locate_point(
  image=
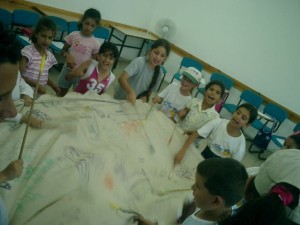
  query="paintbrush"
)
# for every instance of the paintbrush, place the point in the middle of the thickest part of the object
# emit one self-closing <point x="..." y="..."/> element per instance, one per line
<point x="148" y="113"/>
<point x="161" y="193"/>
<point x="129" y="211"/>
<point x="177" y="120"/>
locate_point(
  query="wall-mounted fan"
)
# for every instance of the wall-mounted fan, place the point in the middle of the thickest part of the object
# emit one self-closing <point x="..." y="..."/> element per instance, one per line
<point x="166" y="28"/>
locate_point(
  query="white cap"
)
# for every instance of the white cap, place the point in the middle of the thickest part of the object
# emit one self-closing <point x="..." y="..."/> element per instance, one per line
<point x="193" y="74"/>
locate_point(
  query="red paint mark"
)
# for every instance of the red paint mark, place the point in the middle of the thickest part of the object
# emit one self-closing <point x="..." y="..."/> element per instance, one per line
<point x="108" y="182"/>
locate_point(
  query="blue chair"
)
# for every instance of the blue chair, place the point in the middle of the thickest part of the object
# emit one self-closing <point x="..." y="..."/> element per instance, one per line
<point x="277" y="115"/>
<point x="61" y="28"/>
<point x="228" y="83"/>
<point x="279" y="140"/>
<point x="6" y="17"/>
<point x="101" y="33"/>
<point x="187" y="62"/>
<point x="164" y="70"/>
<point x="22" y="18"/>
<point x="73" y="26"/>
<point x="246" y="96"/>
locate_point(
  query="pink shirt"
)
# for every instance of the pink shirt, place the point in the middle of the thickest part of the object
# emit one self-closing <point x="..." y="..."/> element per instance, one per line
<point x="82" y="48"/>
<point x="89" y="82"/>
<point x="34" y="61"/>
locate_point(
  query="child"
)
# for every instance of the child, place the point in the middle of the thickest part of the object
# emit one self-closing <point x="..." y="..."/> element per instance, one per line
<point x="220" y="183"/>
<point x="10" y="54"/>
<point x="22" y="91"/>
<point x="32" y="56"/>
<point x="273" y="195"/>
<point x="292" y="142"/>
<point x="174" y="97"/>
<point x="140" y="77"/>
<point x="199" y="112"/>
<point x="225" y="138"/>
<point x="96" y="75"/>
<point x="80" y="46"/>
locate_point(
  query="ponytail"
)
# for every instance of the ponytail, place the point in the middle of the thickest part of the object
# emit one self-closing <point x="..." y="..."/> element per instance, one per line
<point x="268" y="209"/>
<point x="147" y="93"/>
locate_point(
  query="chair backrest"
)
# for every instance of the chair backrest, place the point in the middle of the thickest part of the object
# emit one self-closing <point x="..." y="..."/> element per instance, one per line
<point x="101" y="32"/>
<point x="72" y="26"/>
<point x="276" y="113"/>
<point x="25" y="18"/>
<point x="5" y="17"/>
<point x="189" y="62"/>
<point x="251" y="97"/>
<point x="228" y="83"/>
<point x="297" y="127"/>
<point x="61" y="26"/>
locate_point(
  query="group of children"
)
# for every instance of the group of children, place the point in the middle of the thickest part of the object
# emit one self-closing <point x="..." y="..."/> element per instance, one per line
<point x="220" y="181"/>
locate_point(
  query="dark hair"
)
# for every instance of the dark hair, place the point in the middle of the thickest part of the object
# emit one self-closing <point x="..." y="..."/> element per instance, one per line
<point x="43" y="24"/>
<point x="251" y="109"/>
<point x="10" y="49"/>
<point x="167" y="46"/>
<point x="109" y="47"/>
<point x="296" y="138"/>
<point x="264" y="210"/>
<point x="90" y="13"/>
<point x="224" y="177"/>
<point x="216" y="82"/>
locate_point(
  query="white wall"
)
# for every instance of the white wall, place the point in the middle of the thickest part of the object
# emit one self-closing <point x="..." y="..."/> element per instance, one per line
<point x="254" y="41"/>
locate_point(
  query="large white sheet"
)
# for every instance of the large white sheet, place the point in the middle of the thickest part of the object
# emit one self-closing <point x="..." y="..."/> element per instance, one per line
<point x="93" y="155"/>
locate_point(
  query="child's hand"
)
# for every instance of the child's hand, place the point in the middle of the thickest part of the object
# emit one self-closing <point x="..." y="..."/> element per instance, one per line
<point x="131" y="97"/>
<point x="27" y="100"/>
<point x="144" y="98"/>
<point x="56" y="89"/>
<point x="42" y="89"/>
<point x="13" y="170"/>
<point x="70" y="61"/>
<point x="33" y="122"/>
<point x="157" y="99"/>
<point x="182" y="113"/>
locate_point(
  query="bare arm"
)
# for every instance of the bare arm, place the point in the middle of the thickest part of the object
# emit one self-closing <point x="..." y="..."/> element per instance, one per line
<point x="157" y="99"/>
<point x="123" y="81"/>
<point x="179" y="156"/>
<point x="182" y="113"/>
<point x="79" y="71"/>
<point x="22" y="64"/>
<point x="70" y="61"/>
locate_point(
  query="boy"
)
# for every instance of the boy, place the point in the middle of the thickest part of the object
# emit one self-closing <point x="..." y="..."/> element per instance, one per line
<point x="10" y="53"/>
<point x="175" y="96"/>
<point x="220" y="183"/>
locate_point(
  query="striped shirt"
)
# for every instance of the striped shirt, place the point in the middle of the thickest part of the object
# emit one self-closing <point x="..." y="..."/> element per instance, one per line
<point x="34" y="61"/>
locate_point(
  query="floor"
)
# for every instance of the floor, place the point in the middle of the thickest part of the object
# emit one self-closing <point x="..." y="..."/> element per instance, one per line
<point x="250" y="159"/>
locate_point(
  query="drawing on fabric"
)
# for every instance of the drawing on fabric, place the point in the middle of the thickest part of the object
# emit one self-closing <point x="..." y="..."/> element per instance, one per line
<point x="131" y="126"/>
<point x="81" y="159"/>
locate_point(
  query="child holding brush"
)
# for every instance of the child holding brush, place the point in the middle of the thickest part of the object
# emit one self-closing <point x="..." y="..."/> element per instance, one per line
<point x="175" y="96"/>
<point x="198" y="112"/>
<point x="214" y="191"/>
<point x="225" y="138"/>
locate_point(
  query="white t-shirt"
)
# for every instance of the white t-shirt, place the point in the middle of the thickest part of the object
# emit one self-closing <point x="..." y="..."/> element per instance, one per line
<point x="173" y="101"/>
<point x="196" y="117"/>
<point x="194" y="220"/>
<point x="220" y="142"/>
<point x="21" y="88"/>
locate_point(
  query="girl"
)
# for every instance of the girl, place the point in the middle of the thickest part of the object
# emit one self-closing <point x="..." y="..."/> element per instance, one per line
<point x="80" y="46"/>
<point x="292" y="142"/>
<point x="199" y="112"/>
<point x="225" y="138"/>
<point x="140" y="77"/>
<point x="174" y="97"/>
<point x="272" y="196"/>
<point x="32" y="55"/>
<point x="96" y="75"/>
